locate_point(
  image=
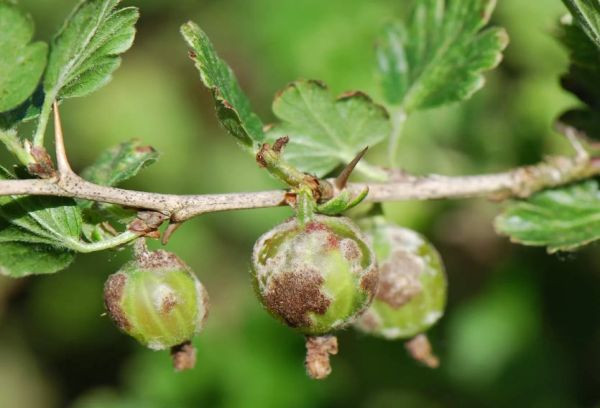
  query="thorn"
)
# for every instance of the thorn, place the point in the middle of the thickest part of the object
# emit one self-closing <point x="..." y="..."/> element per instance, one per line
<point x="171" y="228"/>
<point x="574" y="138"/>
<point x="61" y="155"/>
<point x="106" y="226"/>
<point x="342" y="179"/>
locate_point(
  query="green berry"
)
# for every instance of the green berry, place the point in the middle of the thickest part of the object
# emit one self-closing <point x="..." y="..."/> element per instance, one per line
<point x="316" y="278"/>
<point x="412" y="287"/>
<point x="157" y="299"/>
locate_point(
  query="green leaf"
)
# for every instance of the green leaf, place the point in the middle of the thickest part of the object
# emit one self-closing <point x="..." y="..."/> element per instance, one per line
<point x="21" y="63"/>
<point x="560" y="219"/>
<point x="120" y="163"/>
<point x="587" y="15"/>
<point x="439" y="54"/>
<point x="112" y="167"/>
<point x="86" y="50"/>
<point x="232" y="105"/>
<point x="582" y="79"/>
<point x="28" y="110"/>
<point x="325" y="131"/>
<point x="47" y="227"/>
<point x="21" y="259"/>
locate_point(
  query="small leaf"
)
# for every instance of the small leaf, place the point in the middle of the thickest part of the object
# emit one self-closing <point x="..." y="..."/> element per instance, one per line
<point x="233" y="107"/>
<point x="86" y="51"/>
<point x="582" y="79"/>
<point x="35" y="219"/>
<point x="35" y="233"/>
<point x="587" y="15"/>
<point x="21" y="63"/>
<point x="325" y="131"/>
<point x="439" y="55"/>
<point x="120" y="163"/>
<point x="112" y="167"/>
<point x="21" y="259"/>
<point x="560" y="219"/>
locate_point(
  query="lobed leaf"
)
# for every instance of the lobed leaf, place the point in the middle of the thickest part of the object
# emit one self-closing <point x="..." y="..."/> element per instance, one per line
<point x="21" y="62"/>
<point x="325" y="131"/>
<point x="587" y="15"/>
<point x="439" y="55"/>
<point x="86" y="50"/>
<point x="582" y="79"/>
<point x="561" y="219"/>
<point x="232" y="105"/>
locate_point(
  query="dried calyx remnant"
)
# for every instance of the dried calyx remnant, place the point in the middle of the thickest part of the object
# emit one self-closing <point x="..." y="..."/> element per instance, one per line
<point x="412" y="292"/>
<point x="318" y="349"/>
<point x="316" y="278"/>
<point x="158" y="300"/>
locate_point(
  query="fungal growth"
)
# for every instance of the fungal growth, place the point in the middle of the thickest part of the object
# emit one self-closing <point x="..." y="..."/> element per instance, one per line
<point x="315" y="278"/>
<point x="158" y="300"/>
<point x="412" y="292"/>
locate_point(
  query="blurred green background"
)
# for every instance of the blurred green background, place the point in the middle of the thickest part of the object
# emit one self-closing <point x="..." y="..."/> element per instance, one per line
<point x="521" y="328"/>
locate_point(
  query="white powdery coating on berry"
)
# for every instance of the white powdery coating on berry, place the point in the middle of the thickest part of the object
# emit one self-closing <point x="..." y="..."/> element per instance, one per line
<point x="300" y="248"/>
<point x="433" y="317"/>
<point x="405" y="238"/>
<point x="202" y="304"/>
<point x="156" y="345"/>
<point x="391" y="333"/>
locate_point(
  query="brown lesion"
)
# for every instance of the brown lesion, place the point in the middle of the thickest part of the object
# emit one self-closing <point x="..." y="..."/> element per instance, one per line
<point x="168" y="303"/>
<point x="400" y="279"/>
<point x="113" y="292"/>
<point x="350" y="249"/>
<point x="160" y="259"/>
<point x="293" y="295"/>
<point x="370" y="281"/>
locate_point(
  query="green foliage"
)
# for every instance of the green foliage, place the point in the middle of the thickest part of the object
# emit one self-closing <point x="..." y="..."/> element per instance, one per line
<point x="120" y="163"/>
<point x="232" y="105"/>
<point x="563" y="219"/>
<point x="28" y="110"/>
<point x="21" y="259"/>
<point x="22" y="62"/>
<point x="85" y="52"/>
<point x="439" y="54"/>
<point x="326" y="131"/>
<point x="36" y="232"/>
<point x="112" y="167"/>
<point x="587" y="16"/>
<point x="582" y="79"/>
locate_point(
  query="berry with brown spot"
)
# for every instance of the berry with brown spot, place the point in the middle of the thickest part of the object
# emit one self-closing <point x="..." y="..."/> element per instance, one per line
<point x="157" y="299"/>
<point x="315" y="278"/>
<point x="412" y="287"/>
